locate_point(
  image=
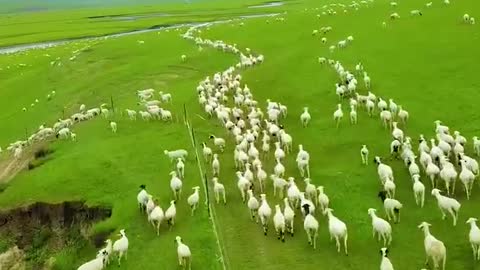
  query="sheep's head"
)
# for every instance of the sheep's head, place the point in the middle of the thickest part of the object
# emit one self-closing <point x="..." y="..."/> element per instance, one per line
<point x="143" y="186"/>
<point x="377" y="160"/>
<point x="424" y="225"/>
<point x="435" y="192"/>
<point x="327" y="211"/>
<point x="371" y="211"/>
<point x="122" y="232"/>
<point x="384" y="252"/>
<point x="306" y="207"/>
<point x="471" y="221"/>
<point x="166" y="152"/>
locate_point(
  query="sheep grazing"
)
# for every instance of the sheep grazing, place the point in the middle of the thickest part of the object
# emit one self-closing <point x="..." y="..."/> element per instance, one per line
<point x="142" y="198"/>
<point x="174" y="155"/>
<point x="418" y="190"/>
<point x="121" y="246"/>
<point x="385" y="264"/>
<point x="337" y="229"/>
<point x="338" y="115"/>
<point x="305" y="117"/>
<point x="156" y="217"/>
<point x="364" y="154"/>
<point x="184" y="254"/>
<point x="474" y="237"/>
<point x="264" y="212"/>
<point x="392" y="207"/>
<point x="380" y="227"/>
<point x="96" y="264"/>
<point x="450" y="205"/>
<point x="279" y="223"/>
<point x="434" y="248"/>
<point x="310" y="224"/>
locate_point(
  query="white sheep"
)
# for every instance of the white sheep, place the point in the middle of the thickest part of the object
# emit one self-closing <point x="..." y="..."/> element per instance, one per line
<point x="278" y="184"/>
<point x="310" y="190"/>
<point x="264" y="212"/>
<point x="467" y="177"/>
<point x="218" y="142"/>
<point x="389" y="187"/>
<point x="253" y="205"/>
<point x="106" y="252"/>
<point x="466" y="18"/>
<point x="434" y="248"/>
<point x="384" y="171"/>
<point x="418" y="190"/>
<point x="450" y="205"/>
<point x="175" y="154"/>
<point x="474" y="237"/>
<point x="323" y="200"/>
<point x="171" y="213"/>
<point x="476" y="145"/>
<point x="310" y="224"/>
<point x="353" y="114"/>
<point x="194" y="199"/>
<point x="416" y="12"/>
<point x="337" y="229"/>
<point x="279" y="223"/>
<point x="243" y="184"/>
<point x="338" y="115"/>
<point x="121" y="246"/>
<point x="183" y="57"/>
<point x="364" y="154"/>
<point x="96" y="264"/>
<point x="176" y="185"/>
<point x="289" y="215"/>
<point x="305" y="117"/>
<point x="385" y="264"/>
<point x="184" y="254"/>
<point x="166" y="115"/>
<point x="113" y="126"/>
<point x="261" y="177"/>
<point x="207" y="152"/>
<point x="142" y="198"/>
<point x="215" y="165"/>
<point x="380" y="227"/>
<point x="392" y="207"/>
<point x="181" y="168"/>
<point x="156" y="217"/>
<point x="166" y="97"/>
<point x="218" y="189"/>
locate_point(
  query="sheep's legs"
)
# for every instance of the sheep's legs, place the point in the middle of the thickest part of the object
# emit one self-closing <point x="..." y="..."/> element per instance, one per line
<point x="338" y="244"/>
<point x="454" y="216"/>
<point x="475" y="252"/>
<point x="224" y="198"/>
<point x="345" y="239"/>
<point x="315" y="240"/>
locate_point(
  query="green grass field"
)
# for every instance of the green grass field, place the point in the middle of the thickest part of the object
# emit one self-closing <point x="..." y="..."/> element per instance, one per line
<point x="427" y="64"/>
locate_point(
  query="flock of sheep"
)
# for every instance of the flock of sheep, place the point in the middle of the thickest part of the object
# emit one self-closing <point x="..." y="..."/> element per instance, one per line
<point x="255" y="129"/>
